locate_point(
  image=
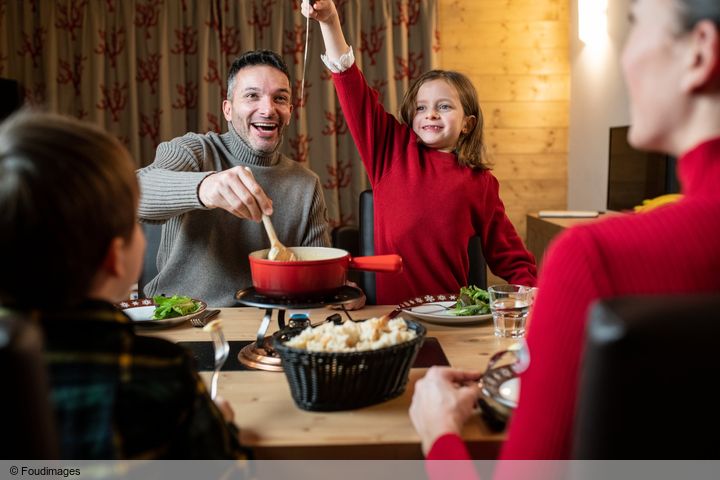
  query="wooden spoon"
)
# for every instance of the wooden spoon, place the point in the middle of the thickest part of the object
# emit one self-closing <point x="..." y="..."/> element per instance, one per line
<point x="278" y="251"/>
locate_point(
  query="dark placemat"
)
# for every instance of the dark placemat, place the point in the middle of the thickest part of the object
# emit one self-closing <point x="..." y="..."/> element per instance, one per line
<point x="431" y="353"/>
<point x="205" y="356"/>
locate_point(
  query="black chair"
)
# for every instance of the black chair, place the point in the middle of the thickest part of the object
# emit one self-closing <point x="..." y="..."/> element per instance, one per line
<point x="153" y="232"/>
<point x="477" y="274"/>
<point x="647" y="384"/>
<point x="367" y="243"/>
<point x="347" y="237"/>
<point x="26" y="414"/>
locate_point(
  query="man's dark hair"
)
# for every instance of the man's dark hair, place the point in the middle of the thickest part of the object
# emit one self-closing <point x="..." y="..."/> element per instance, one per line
<point x="252" y="58"/>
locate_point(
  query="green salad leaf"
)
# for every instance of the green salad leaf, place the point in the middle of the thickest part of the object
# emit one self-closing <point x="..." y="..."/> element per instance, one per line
<point x="175" y="306"/>
<point x="471" y="301"/>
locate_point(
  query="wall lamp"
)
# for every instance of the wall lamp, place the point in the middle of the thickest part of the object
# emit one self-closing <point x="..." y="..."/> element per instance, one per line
<point x="592" y="21"/>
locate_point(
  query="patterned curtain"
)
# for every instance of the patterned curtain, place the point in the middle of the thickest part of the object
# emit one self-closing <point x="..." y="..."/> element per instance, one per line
<point x="151" y="70"/>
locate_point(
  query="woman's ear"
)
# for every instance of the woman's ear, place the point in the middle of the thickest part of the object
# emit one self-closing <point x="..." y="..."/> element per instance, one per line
<point x="703" y="69"/>
<point x="468" y="124"/>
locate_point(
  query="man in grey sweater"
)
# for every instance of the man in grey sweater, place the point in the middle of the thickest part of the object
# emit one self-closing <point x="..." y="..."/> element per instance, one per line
<point x="210" y="190"/>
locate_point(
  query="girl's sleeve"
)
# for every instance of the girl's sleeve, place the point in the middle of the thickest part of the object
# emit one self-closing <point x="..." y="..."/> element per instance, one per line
<point x="377" y="134"/>
<point x="170" y="184"/>
<point x="503" y="248"/>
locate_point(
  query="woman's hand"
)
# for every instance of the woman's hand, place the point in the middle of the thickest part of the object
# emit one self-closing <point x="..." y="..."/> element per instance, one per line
<point x="443" y="401"/>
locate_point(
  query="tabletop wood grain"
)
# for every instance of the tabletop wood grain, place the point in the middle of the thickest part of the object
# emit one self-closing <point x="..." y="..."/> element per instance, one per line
<point x="274" y="427"/>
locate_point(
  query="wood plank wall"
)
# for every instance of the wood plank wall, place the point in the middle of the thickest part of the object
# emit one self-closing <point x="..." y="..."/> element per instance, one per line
<point x="517" y="54"/>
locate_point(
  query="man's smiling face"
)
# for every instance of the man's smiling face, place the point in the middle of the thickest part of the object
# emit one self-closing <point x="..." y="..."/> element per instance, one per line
<point x="260" y="106"/>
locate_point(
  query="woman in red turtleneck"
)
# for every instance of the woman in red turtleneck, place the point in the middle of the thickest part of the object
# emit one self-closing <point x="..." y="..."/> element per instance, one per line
<point x="672" y="67"/>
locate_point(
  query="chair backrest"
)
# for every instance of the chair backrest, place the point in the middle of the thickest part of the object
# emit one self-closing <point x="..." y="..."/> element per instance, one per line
<point x="347" y="237"/>
<point x="26" y="413"/>
<point x="149" y="271"/>
<point x="646" y="384"/>
<point x="367" y="243"/>
<point x="477" y="274"/>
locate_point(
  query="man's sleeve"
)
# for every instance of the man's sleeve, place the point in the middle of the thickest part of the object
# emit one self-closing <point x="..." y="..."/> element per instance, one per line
<point x="318" y="234"/>
<point x="169" y="186"/>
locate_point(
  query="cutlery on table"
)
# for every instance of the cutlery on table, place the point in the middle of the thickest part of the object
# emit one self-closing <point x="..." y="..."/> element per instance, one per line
<point x="222" y="350"/>
<point x="203" y="317"/>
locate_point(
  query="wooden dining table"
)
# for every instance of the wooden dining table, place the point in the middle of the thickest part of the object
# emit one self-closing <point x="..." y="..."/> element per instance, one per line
<point x="275" y="428"/>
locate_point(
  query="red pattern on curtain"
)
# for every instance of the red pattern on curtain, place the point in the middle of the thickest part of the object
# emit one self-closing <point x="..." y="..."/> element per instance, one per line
<point x="151" y="70"/>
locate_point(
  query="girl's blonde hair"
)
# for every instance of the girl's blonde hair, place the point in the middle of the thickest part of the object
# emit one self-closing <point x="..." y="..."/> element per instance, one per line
<point x="470" y="148"/>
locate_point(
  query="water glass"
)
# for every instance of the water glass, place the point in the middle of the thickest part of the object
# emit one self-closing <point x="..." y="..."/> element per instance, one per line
<point x="509" y="305"/>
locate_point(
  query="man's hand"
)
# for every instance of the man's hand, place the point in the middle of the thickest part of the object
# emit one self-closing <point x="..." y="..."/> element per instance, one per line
<point x="236" y="191"/>
<point x="443" y="401"/>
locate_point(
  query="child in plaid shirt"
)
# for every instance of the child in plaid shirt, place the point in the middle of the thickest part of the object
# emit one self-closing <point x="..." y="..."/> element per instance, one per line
<point x="71" y="246"/>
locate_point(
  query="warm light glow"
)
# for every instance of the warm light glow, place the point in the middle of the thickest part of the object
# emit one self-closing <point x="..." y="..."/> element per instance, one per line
<point x="592" y="21"/>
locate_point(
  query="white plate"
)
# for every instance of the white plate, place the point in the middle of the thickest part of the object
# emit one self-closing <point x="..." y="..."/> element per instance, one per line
<point x="141" y="312"/>
<point x="433" y="309"/>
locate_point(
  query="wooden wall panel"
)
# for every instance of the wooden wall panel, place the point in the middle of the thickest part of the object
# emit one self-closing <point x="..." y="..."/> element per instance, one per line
<point x="525" y="114"/>
<point x="526" y="61"/>
<point x="520" y="88"/>
<point x="512" y="34"/>
<point x="517" y="54"/>
<point x="472" y="11"/>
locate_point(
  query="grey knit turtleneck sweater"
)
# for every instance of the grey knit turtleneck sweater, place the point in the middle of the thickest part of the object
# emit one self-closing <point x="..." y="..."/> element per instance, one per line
<point x="204" y="252"/>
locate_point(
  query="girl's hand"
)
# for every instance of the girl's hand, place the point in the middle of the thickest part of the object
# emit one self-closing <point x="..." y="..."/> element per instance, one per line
<point x="321" y="10"/>
<point x="443" y="401"/>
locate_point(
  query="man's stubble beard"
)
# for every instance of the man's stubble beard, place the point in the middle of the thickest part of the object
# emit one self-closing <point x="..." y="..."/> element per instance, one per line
<point x="246" y="141"/>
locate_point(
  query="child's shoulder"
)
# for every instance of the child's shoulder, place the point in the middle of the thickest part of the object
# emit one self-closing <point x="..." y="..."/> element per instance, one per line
<point x="478" y="174"/>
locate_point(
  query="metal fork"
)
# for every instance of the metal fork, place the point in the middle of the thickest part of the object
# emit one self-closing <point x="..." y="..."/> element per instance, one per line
<point x="201" y="319"/>
<point x="522" y="357"/>
<point x="222" y="350"/>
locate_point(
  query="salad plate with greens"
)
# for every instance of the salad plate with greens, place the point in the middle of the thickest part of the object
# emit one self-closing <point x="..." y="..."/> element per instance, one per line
<point x="162" y="311"/>
<point x="470" y="305"/>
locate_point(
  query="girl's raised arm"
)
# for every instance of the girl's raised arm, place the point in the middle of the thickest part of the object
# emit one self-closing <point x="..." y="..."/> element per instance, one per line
<point x="325" y="13"/>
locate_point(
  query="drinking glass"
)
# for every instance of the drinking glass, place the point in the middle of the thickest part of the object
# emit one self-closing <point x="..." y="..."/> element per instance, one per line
<point x="509" y="305"/>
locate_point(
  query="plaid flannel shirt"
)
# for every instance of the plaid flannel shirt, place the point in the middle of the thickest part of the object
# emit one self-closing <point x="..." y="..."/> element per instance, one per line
<point x="119" y="395"/>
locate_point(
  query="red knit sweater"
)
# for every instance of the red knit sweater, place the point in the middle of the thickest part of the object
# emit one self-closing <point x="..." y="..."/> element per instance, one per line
<point x="674" y="249"/>
<point x="427" y="206"/>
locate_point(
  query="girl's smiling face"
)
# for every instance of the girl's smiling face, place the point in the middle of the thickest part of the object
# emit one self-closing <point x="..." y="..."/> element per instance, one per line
<point x="439" y="118"/>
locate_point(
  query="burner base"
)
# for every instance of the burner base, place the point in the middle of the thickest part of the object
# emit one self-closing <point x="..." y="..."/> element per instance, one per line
<point x="260" y="358"/>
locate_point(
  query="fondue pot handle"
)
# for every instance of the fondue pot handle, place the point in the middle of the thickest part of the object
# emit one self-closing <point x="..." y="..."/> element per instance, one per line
<point x="377" y="263"/>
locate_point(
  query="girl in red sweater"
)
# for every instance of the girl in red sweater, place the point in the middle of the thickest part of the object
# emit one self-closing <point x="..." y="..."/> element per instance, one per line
<point x="671" y="64"/>
<point x="431" y="186"/>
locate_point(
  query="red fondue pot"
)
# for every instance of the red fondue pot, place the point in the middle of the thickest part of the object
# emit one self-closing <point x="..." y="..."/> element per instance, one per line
<point x="319" y="270"/>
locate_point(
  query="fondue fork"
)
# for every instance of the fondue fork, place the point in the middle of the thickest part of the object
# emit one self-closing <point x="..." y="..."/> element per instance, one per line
<point x="222" y="350"/>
